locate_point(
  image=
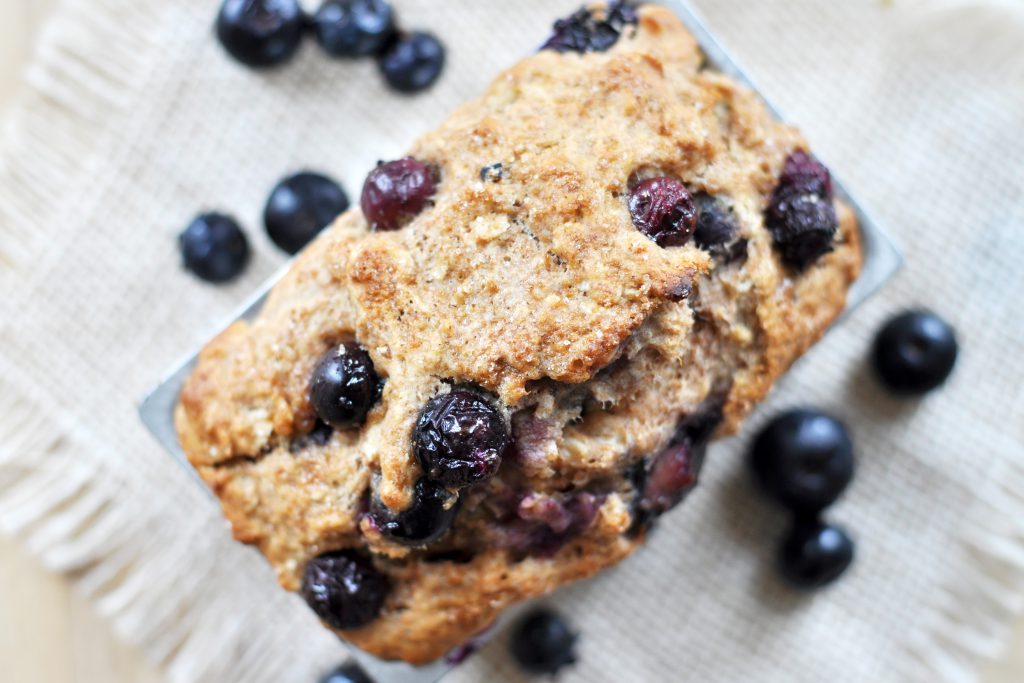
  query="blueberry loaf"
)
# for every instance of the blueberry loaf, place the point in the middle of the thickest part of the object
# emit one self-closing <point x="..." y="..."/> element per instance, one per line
<point x="494" y="377"/>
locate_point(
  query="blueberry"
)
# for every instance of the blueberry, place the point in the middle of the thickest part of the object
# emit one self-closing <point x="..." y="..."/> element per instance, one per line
<point x="347" y="673"/>
<point x="345" y="590"/>
<point x="426" y="520"/>
<point x="802" y="171"/>
<point x="664" y="481"/>
<point x="460" y="438"/>
<point x="584" y="31"/>
<point x="413" y="62"/>
<point x="716" y="224"/>
<point x="814" y="553"/>
<point x="299" y="207"/>
<point x="395" y="192"/>
<point x="672" y="474"/>
<point x="260" y="33"/>
<point x="915" y="352"/>
<point x="803" y="459"/>
<point x="542" y="643"/>
<point x="663" y="209"/>
<point x="544" y="523"/>
<point x="800" y="213"/>
<point x="717" y="228"/>
<point x="214" y="247"/>
<point x="354" y="28"/>
<point x="344" y="386"/>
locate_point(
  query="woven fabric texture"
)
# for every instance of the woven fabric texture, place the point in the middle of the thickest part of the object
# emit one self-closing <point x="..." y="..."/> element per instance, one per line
<point x="135" y="120"/>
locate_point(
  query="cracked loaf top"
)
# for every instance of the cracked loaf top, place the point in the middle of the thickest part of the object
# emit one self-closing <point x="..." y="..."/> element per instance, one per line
<point x="493" y="378"/>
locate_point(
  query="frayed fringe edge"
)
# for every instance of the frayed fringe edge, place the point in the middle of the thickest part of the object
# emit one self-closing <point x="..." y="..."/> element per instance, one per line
<point x="972" y="618"/>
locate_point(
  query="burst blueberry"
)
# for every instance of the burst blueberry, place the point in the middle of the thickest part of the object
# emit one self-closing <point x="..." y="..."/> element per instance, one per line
<point x="543" y="643"/>
<point x="344" y="589"/>
<point x="672" y="474"/>
<point x="663" y="209"/>
<point x="354" y="28"/>
<point x="800" y="214"/>
<point x="460" y="438"/>
<point x="427" y="519"/>
<point x="214" y="247"/>
<point x="543" y="523"/>
<point x="592" y="31"/>
<point x="814" y="554"/>
<point x="803" y="459"/>
<point x="344" y="386"/>
<point x="664" y="481"/>
<point x="915" y="352"/>
<point x="395" y="192"/>
<point x="413" y="62"/>
<point x="260" y="33"/>
<point x="300" y="206"/>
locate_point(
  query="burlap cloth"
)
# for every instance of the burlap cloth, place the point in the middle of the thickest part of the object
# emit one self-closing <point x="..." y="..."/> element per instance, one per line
<point x="135" y="120"/>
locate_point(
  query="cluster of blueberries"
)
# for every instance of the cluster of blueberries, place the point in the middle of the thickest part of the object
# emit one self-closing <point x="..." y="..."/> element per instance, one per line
<point x="215" y="248"/>
<point x="804" y="459"/>
<point x="265" y="33"/>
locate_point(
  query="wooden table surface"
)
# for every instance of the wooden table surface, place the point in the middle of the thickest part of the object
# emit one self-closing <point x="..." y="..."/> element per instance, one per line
<point x="48" y="634"/>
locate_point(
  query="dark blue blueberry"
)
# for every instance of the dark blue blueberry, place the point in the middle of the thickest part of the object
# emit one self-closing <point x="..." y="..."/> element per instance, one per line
<point x="413" y="62"/>
<point x="300" y="207"/>
<point x="803" y="459"/>
<point x="347" y="673"/>
<point x="426" y="520"/>
<point x="800" y="214"/>
<point x="915" y="352"/>
<point x="814" y="554"/>
<point x="584" y="31"/>
<point x="214" y="247"/>
<point x="716" y="224"/>
<point x="542" y="643"/>
<point x="344" y="589"/>
<point x="460" y="438"/>
<point x="344" y="386"/>
<point x="663" y="209"/>
<point x="260" y="33"/>
<point x="395" y="192"/>
<point x="354" y="28"/>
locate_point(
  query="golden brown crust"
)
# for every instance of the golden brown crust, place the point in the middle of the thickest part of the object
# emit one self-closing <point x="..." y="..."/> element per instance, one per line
<point x="538" y="288"/>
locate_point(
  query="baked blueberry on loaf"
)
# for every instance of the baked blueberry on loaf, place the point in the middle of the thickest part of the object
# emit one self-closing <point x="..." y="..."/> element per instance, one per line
<point x="495" y="376"/>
